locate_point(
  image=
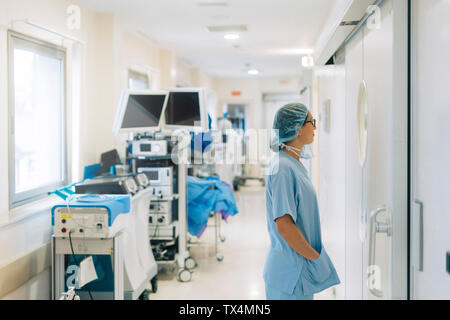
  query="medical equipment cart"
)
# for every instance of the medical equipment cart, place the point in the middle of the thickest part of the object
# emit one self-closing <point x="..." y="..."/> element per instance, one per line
<point x="97" y="227"/>
<point x="168" y="183"/>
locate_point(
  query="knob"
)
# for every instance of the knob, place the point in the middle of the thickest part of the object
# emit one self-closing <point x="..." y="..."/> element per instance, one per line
<point x="63" y="230"/>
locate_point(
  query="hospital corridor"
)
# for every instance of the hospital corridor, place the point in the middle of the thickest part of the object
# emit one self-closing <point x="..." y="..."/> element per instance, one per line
<point x="190" y="153"/>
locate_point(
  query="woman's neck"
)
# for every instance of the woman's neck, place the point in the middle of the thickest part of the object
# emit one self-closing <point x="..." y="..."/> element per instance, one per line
<point x="292" y="154"/>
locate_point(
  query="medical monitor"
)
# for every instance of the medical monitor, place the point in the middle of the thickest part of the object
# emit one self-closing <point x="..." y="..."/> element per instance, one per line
<point x="140" y="111"/>
<point x="186" y="109"/>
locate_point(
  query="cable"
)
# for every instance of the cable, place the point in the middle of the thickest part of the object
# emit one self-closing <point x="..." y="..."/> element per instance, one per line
<point x="75" y="259"/>
<point x="156" y="230"/>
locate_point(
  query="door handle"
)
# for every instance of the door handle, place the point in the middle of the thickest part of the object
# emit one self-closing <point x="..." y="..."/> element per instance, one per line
<point x="376" y="227"/>
<point x="420" y="263"/>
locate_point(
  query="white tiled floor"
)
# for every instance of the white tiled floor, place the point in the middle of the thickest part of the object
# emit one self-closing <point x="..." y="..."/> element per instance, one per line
<point x="239" y="275"/>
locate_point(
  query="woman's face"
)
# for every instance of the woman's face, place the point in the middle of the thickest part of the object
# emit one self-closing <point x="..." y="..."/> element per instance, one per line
<point x="307" y="131"/>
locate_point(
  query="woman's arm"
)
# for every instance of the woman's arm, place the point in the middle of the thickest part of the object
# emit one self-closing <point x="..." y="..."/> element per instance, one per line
<point x="294" y="237"/>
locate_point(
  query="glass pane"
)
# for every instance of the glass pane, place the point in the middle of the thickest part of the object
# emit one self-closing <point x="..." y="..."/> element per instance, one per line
<point x="37" y="109"/>
<point x="136" y="84"/>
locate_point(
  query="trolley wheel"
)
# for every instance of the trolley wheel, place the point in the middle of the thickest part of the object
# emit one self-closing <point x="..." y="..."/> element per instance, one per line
<point x="154" y="283"/>
<point x="184" y="275"/>
<point x="219" y="257"/>
<point x="144" y="295"/>
<point x="222" y="238"/>
<point x="190" y="263"/>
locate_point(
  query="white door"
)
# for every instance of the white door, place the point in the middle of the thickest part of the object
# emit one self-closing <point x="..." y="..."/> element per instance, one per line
<point x="353" y="172"/>
<point x="330" y="86"/>
<point x="377" y="171"/>
<point x="430" y="214"/>
<point x="376" y="186"/>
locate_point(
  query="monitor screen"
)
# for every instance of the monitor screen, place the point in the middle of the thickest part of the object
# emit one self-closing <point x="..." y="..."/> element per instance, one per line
<point x="183" y="109"/>
<point x="152" y="175"/>
<point x="143" y="111"/>
<point x="146" y="147"/>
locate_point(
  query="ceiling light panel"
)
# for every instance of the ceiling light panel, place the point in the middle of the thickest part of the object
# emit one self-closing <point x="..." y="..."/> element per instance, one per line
<point x="235" y="28"/>
<point x="212" y="4"/>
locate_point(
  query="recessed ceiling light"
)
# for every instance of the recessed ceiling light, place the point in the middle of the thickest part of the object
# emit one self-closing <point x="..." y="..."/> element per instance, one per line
<point x="212" y="4"/>
<point x="230" y="28"/>
<point x="231" y="36"/>
<point x="307" y="62"/>
<point x="253" y="72"/>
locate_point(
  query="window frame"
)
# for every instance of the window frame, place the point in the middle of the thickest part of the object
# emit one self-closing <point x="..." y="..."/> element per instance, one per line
<point x="18" y="40"/>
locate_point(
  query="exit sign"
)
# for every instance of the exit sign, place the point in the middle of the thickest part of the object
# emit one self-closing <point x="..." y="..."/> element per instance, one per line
<point x="236" y="93"/>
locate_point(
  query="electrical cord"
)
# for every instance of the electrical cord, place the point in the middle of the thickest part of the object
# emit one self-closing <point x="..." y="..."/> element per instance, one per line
<point x="75" y="259"/>
<point x="156" y="231"/>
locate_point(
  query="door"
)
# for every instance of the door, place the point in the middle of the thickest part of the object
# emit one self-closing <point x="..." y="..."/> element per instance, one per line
<point x="330" y="86"/>
<point x="376" y="159"/>
<point x="430" y="216"/>
<point x="377" y="198"/>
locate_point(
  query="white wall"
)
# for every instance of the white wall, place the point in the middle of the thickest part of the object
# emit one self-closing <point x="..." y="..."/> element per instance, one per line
<point x="252" y="90"/>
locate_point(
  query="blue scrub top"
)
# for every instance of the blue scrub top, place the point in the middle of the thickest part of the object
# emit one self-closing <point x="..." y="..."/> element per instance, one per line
<point x="289" y="190"/>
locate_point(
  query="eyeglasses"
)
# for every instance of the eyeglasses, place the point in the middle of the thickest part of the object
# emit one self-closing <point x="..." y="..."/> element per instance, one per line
<point x="313" y="122"/>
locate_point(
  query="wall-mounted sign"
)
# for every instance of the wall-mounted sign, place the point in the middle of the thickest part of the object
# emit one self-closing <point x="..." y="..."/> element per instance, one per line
<point x="236" y="93"/>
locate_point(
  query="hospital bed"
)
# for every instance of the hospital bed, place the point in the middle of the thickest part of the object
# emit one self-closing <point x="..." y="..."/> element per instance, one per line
<point x="209" y="197"/>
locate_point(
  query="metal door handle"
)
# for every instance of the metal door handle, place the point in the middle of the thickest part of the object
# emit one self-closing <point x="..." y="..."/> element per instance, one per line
<point x="420" y="266"/>
<point x="377" y="227"/>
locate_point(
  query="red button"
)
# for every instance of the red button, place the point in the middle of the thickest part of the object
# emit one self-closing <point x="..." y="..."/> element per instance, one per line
<point x="63" y="230"/>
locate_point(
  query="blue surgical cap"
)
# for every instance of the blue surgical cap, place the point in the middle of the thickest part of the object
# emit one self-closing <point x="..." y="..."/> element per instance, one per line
<point x="287" y="123"/>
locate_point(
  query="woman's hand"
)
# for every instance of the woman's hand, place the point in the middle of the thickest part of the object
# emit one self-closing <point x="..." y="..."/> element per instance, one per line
<point x="317" y="257"/>
<point x="294" y="237"/>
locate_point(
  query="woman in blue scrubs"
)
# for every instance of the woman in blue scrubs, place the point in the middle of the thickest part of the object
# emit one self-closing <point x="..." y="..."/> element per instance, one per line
<point x="297" y="265"/>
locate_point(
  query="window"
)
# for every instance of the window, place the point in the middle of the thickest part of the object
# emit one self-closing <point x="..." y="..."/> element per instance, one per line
<point x="137" y="81"/>
<point x="37" y="148"/>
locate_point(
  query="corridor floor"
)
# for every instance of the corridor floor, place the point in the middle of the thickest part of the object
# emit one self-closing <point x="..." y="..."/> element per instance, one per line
<point x="239" y="275"/>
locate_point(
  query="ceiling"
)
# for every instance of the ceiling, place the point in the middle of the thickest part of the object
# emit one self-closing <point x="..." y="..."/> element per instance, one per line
<point x="279" y="31"/>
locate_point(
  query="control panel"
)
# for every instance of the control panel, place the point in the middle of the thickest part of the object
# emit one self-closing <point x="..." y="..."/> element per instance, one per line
<point x="160" y="218"/>
<point x="160" y="206"/>
<point x="149" y="148"/>
<point x="158" y="176"/>
<point x="81" y="222"/>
